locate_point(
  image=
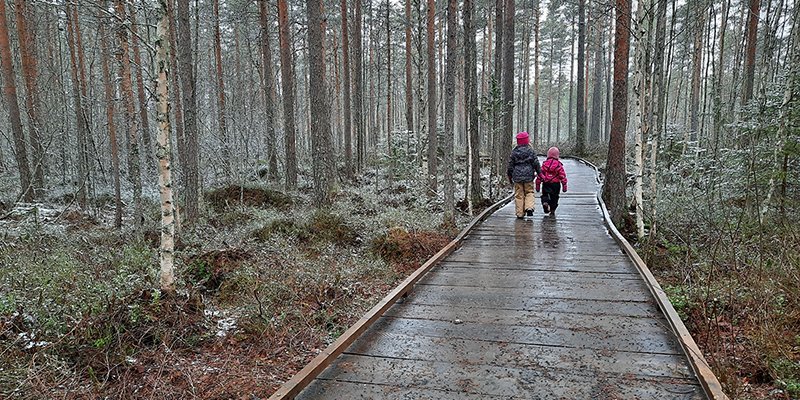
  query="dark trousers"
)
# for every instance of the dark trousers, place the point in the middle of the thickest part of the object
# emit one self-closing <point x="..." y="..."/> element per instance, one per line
<point x="550" y="192"/>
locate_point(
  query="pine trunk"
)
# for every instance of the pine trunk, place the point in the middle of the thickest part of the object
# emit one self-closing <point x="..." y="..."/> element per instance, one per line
<point x="287" y="85"/>
<point x="697" y="60"/>
<point x="750" y="51"/>
<point x="105" y="55"/>
<point x="358" y="86"/>
<point x="474" y="192"/>
<point x="129" y="112"/>
<point x="580" y="114"/>
<point x="191" y="169"/>
<point x="10" y="92"/>
<point x="508" y="77"/>
<point x="30" y="74"/>
<point x="221" y="100"/>
<point x="614" y="186"/>
<point x="147" y="144"/>
<point x="432" y="121"/>
<point x="82" y="131"/>
<point x="409" y="82"/>
<point x="269" y="92"/>
<point x="449" y="105"/>
<point x="320" y="108"/>
<point x="536" y="74"/>
<point x="348" y="125"/>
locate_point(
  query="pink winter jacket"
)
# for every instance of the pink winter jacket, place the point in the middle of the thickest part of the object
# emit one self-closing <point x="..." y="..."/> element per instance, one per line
<point x="552" y="172"/>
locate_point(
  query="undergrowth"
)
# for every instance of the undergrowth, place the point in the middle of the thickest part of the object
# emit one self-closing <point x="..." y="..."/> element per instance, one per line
<point x="265" y="282"/>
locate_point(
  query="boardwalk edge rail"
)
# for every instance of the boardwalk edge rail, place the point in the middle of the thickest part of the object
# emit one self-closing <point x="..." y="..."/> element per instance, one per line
<point x="705" y="375"/>
<point x="299" y="381"/>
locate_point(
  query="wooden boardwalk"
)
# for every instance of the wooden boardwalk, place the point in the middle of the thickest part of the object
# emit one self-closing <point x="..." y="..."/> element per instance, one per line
<point x="545" y="309"/>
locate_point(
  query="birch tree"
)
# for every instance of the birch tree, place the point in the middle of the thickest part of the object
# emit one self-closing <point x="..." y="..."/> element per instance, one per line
<point x="163" y="152"/>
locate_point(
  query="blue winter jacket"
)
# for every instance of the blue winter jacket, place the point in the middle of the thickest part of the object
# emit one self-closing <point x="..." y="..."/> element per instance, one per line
<point x="523" y="166"/>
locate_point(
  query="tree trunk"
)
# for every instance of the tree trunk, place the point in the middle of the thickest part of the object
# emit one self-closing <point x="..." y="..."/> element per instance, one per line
<point x="658" y="94"/>
<point x="221" y="104"/>
<point x="474" y="192"/>
<point x="30" y="73"/>
<point x="137" y="61"/>
<point x="287" y="85"/>
<point x="697" y="59"/>
<point x="508" y="76"/>
<point x="105" y="55"/>
<point x="641" y="91"/>
<point x="320" y="108"/>
<point x="750" y="62"/>
<point x="614" y="186"/>
<point x="167" y="271"/>
<point x="409" y="82"/>
<point x="449" y="104"/>
<point x="10" y="92"/>
<point x="580" y="114"/>
<point x="537" y="76"/>
<point x="358" y="86"/>
<point x="175" y="94"/>
<point x="269" y="92"/>
<point x="432" y="122"/>
<point x="82" y="124"/>
<point x="498" y="158"/>
<point x="348" y="127"/>
<point x="597" y="85"/>
<point x="191" y="170"/>
<point x="389" y="86"/>
<point x="126" y="91"/>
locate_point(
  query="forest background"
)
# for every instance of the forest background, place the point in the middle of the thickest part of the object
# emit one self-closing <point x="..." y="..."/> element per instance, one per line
<point x="197" y="196"/>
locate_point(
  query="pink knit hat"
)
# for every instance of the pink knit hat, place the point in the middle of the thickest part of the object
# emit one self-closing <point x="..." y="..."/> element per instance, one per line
<point x="552" y="153"/>
<point x="523" y="139"/>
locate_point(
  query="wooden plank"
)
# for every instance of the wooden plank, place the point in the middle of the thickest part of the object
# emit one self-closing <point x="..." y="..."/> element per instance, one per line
<point x="544" y="273"/>
<point x="380" y="343"/>
<point x="554" y="291"/>
<point x="300" y="380"/>
<point x="510" y="382"/>
<point x="653" y="340"/>
<point x="338" y="389"/>
<point x="516" y="299"/>
<point x="534" y="280"/>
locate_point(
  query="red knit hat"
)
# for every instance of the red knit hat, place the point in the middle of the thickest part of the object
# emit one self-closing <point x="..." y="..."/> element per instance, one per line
<point x="523" y="139"/>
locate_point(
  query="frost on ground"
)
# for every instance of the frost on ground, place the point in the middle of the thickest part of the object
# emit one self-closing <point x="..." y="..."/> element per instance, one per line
<point x="266" y="282"/>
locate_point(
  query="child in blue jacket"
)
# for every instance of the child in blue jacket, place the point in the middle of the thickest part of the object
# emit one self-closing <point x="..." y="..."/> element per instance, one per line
<point x="523" y="167"/>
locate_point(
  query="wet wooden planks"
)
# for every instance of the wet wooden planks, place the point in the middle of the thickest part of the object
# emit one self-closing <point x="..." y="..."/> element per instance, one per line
<point x="548" y="308"/>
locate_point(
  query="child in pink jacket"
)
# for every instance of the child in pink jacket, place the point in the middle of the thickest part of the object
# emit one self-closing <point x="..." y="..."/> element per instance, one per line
<point x="551" y="180"/>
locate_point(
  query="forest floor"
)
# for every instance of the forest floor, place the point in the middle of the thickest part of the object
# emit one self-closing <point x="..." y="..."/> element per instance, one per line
<point x="266" y="282"/>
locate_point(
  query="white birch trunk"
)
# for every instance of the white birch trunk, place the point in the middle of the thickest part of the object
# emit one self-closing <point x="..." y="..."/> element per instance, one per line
<point x="163" y="151"/>
<point x="642" y="117"/>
